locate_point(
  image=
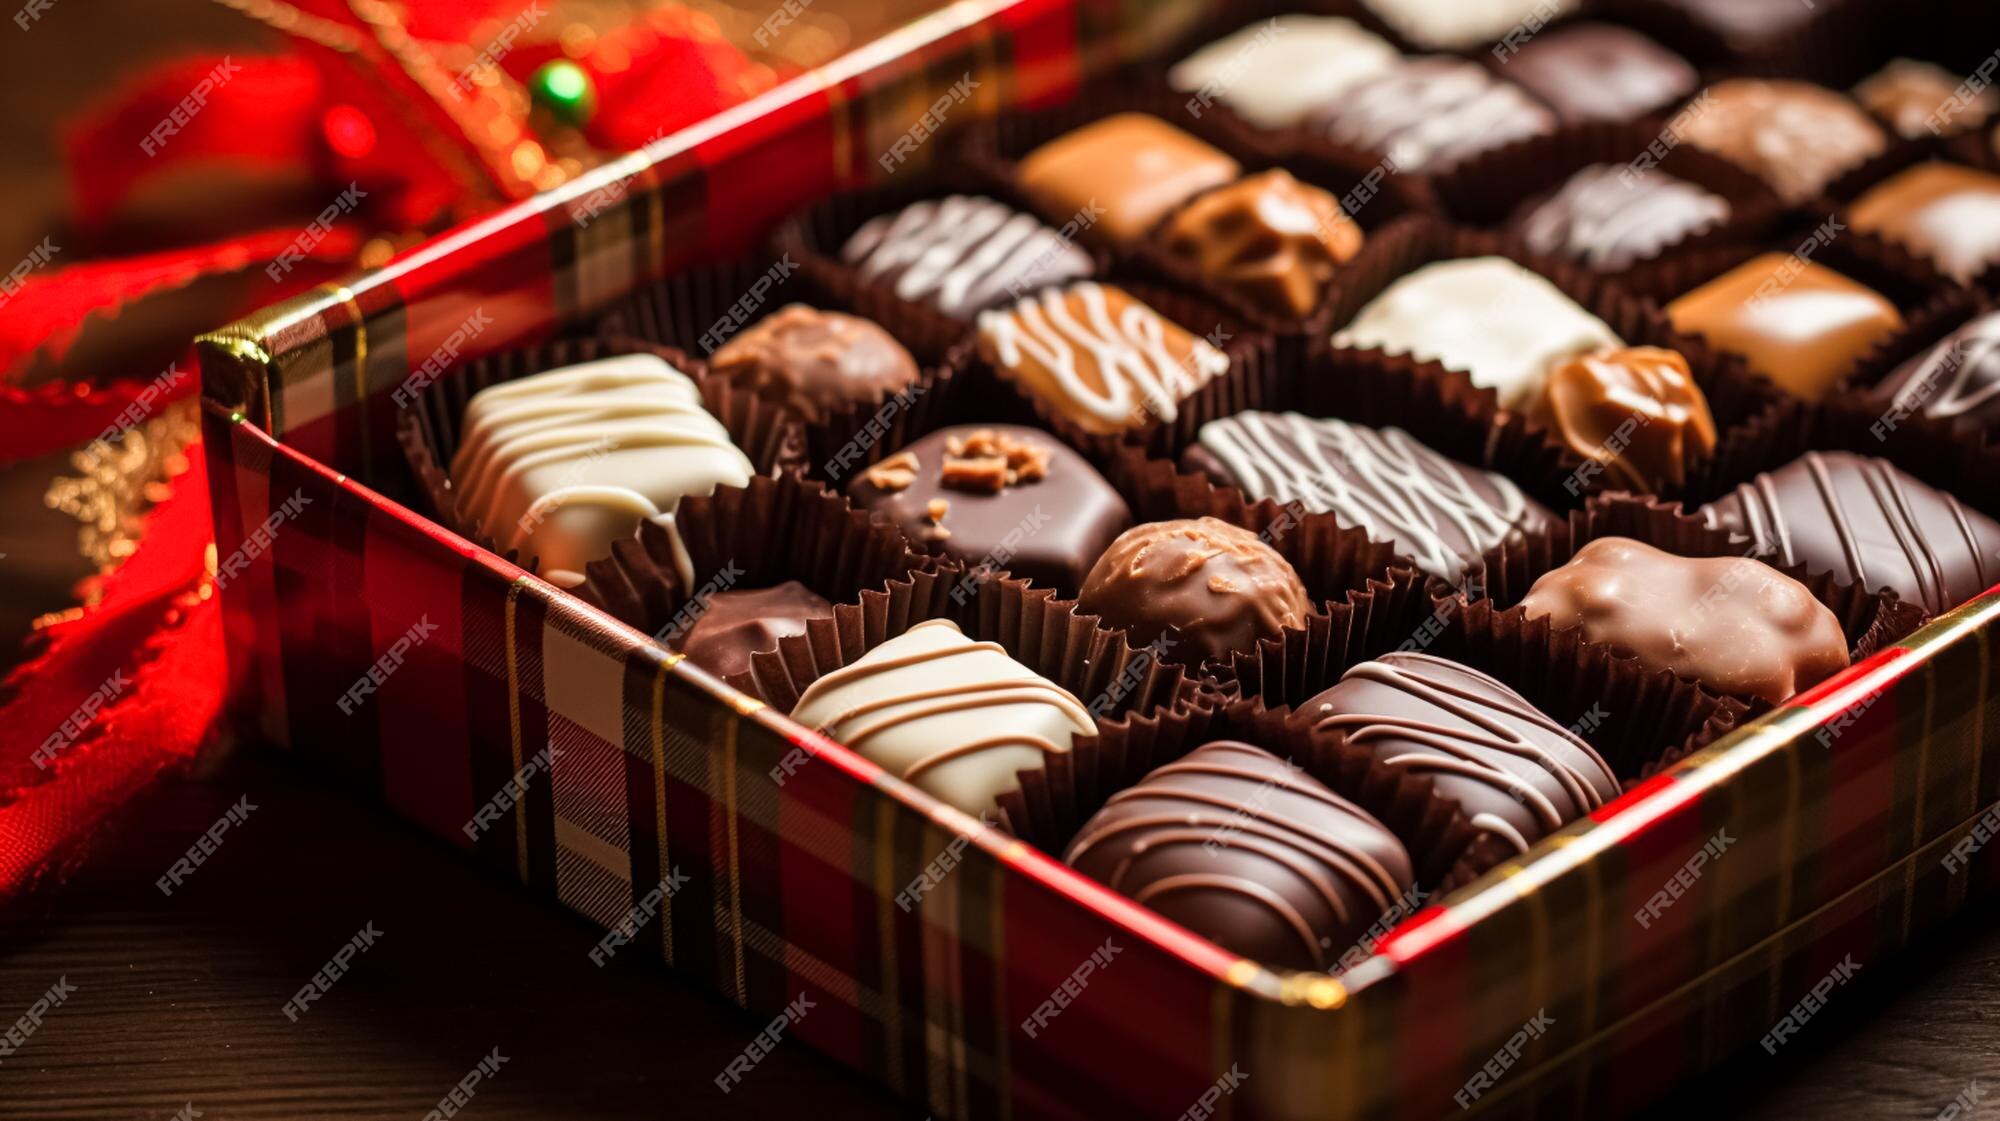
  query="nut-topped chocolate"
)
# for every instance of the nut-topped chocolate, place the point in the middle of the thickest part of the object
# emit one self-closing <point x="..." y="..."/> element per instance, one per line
<point x="1957" y="381"/>
<point x="561" y="464"/>
<point x="1608" y="219"/>
<point x="1944" y="212"/>
<point x="1097" y="357"/>
<point x="1796" y="136"/>
<point x="1502" y="324"/>
<point x="1000" y="498"/>
<point x="962" y="254"/>
<point x="1250" y="852"/>
<point x="1634" y="411"/>
<point x="1868" y="523"/>
<point x="1267" y="237"/>
<point x="1218" y="585"/>
<point x="1734" y="624"/>
<point x="1430" y="113"/>
<point x="1504" y="764"/>
<point x="740" y="622"/>
<point x="1439" y="512"/>
<point x="956" y="718"/>
<point x="1130" y="169"/>
<point x="1796" y="321"/>
<point x="817" y="361"/>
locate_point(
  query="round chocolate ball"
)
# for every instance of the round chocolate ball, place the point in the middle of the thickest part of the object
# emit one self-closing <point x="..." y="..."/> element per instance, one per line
<point x="1219" y="586"/>
<point x="817" y="361"/>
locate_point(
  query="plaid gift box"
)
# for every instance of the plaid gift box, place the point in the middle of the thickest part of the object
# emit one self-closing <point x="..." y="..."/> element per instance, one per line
<point x="1712" y="907"/>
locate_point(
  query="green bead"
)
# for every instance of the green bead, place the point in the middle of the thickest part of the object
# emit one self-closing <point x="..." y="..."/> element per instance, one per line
<point x="565" y="89"/>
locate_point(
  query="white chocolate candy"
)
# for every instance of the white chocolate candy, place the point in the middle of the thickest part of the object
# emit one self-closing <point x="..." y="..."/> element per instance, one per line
<point x="1460" y="25"/>
<point x="956" y="718"/>
<point x="1487" y="316"/>
<point x="562" y="464"/>
<point x="1275" y="72"/>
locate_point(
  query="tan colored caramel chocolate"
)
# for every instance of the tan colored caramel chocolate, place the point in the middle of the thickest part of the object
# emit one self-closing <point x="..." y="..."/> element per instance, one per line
<point x="1947" y="213"/>
<point x="1796" y="136"/>
<point x="1269" y="237"/>
<point x="1635" y="410"/>
<point x="1131" y="169"/>
<point x="1798" y="323"/>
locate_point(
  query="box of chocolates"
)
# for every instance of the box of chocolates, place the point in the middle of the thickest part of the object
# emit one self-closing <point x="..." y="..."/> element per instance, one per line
<point x="1366" y="559"/>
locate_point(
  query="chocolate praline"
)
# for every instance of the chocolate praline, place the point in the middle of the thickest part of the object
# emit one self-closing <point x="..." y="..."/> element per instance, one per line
<point x="1608" y="219"/>
<point x="1921" y="99"/>
<point x="1218" y="585"/>
<point x="1941" y="211"/>
<point x="1013" y="499"/>
<point x="1957" y="381"/>
<point x="1869" y="524"/>
<point x="1796" y="136"/>
<point x="738" y="623"/>
<point x="1128" y="170"/>
<point x="1636" y="411"/>
<point x="958" y="719"/>
<point x="1464" y="24"/>
<point x="817" y="361"/>
<point x="1734" y="624"/>
<point x="1302" y="62"/>
<point x="1430" y="113"/>
<point x="1599" y="72"/>
<point x="1250" y="852"/>
<point x="1799" y="323"/>
<point x="1501" y="762"/>
<point x="1268" y="237"/>
<point x="962" y="255"/>
<point x="1746" y="23"/>
<point x="1439" y="512"/>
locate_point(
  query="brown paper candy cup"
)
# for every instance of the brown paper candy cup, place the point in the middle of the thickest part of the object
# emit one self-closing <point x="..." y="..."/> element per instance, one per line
<point x="428" y="429"/>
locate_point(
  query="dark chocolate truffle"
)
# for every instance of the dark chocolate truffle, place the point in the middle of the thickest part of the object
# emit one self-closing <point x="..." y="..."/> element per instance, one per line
<point x="1636" y="411"/>
<point x="1734" y="624"/>
<point x="1957" y="381"/>
<point x="1507" y="767"/>
<point x="1798" y="322"/>
<point x="1947" y="213"/>
<point x="1220" y="586"/>
<point x="1095" y="355"/>
<point x="1868" y="523"/>
<point x="1796" y="136"/>
<point x="1128" y="170"/>
<point x="1608" y="219"/>
<point x="1437" y="511"/>
<point x="1268" y="237"/>
<point x="817" y="361"/>
<point x="1599" y="72"/>
<point x="963" y="255"/>
<point x="1000" y="498"/>
<point x="737" y="624"/>
<point x="1250" y="852"/>
<point x="1432" y="112"/>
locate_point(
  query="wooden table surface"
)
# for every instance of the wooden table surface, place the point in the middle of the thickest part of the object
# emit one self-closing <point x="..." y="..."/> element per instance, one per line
<point x="178" y="1000"/>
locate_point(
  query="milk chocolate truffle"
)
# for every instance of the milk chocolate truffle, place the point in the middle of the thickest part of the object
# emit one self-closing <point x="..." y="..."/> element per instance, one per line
<point x="1506" y="766"/>
<point x="1437" y="511"/>
<point x="1270" y="238"/>
<point x="1128" y="170"/>
<point x="1097" y="356"/>
<point x="1250" y="852"/>
<point x="560" y="465"/>
<point x="1798" y="323"/>
<point x="1734" y="624"/>
<point x="739" y="623"/>
<point x="1465" y="24"/>
<point x="1000" y="498"/>
<point x="1957" y="381"/>
<point x="1636" y="411"/>
<point x="1599" y="72"/>
<point x="1795" y="136"/>
<point x="1607" y="219"/>
<point x="1218" y="585"/>
<point x="1869" y="524"/>
<point x="1502" y="324"/>
<point x="1947" y="213"/>
<point x="956" y="718"/>
<point x="962" y="255"/>
<point x="1275" y="72"/>
<point x="1432" y="112"/>
<point x="1922" y="99"/>
<point x="817" y="361"/>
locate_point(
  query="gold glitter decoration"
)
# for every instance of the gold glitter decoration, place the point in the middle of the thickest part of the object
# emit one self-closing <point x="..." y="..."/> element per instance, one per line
<point x="119" y="481"/>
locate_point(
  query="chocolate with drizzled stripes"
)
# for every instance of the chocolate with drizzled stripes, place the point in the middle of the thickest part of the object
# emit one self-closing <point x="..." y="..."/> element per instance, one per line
<point x="1512" y="771"/>
<point x="1250" y="851"/>
<point x="963" y="254"/>
<point x="956" y="718"/>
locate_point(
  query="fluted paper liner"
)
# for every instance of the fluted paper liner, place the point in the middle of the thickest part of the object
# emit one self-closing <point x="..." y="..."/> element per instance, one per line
<point x="428" y="429"/>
